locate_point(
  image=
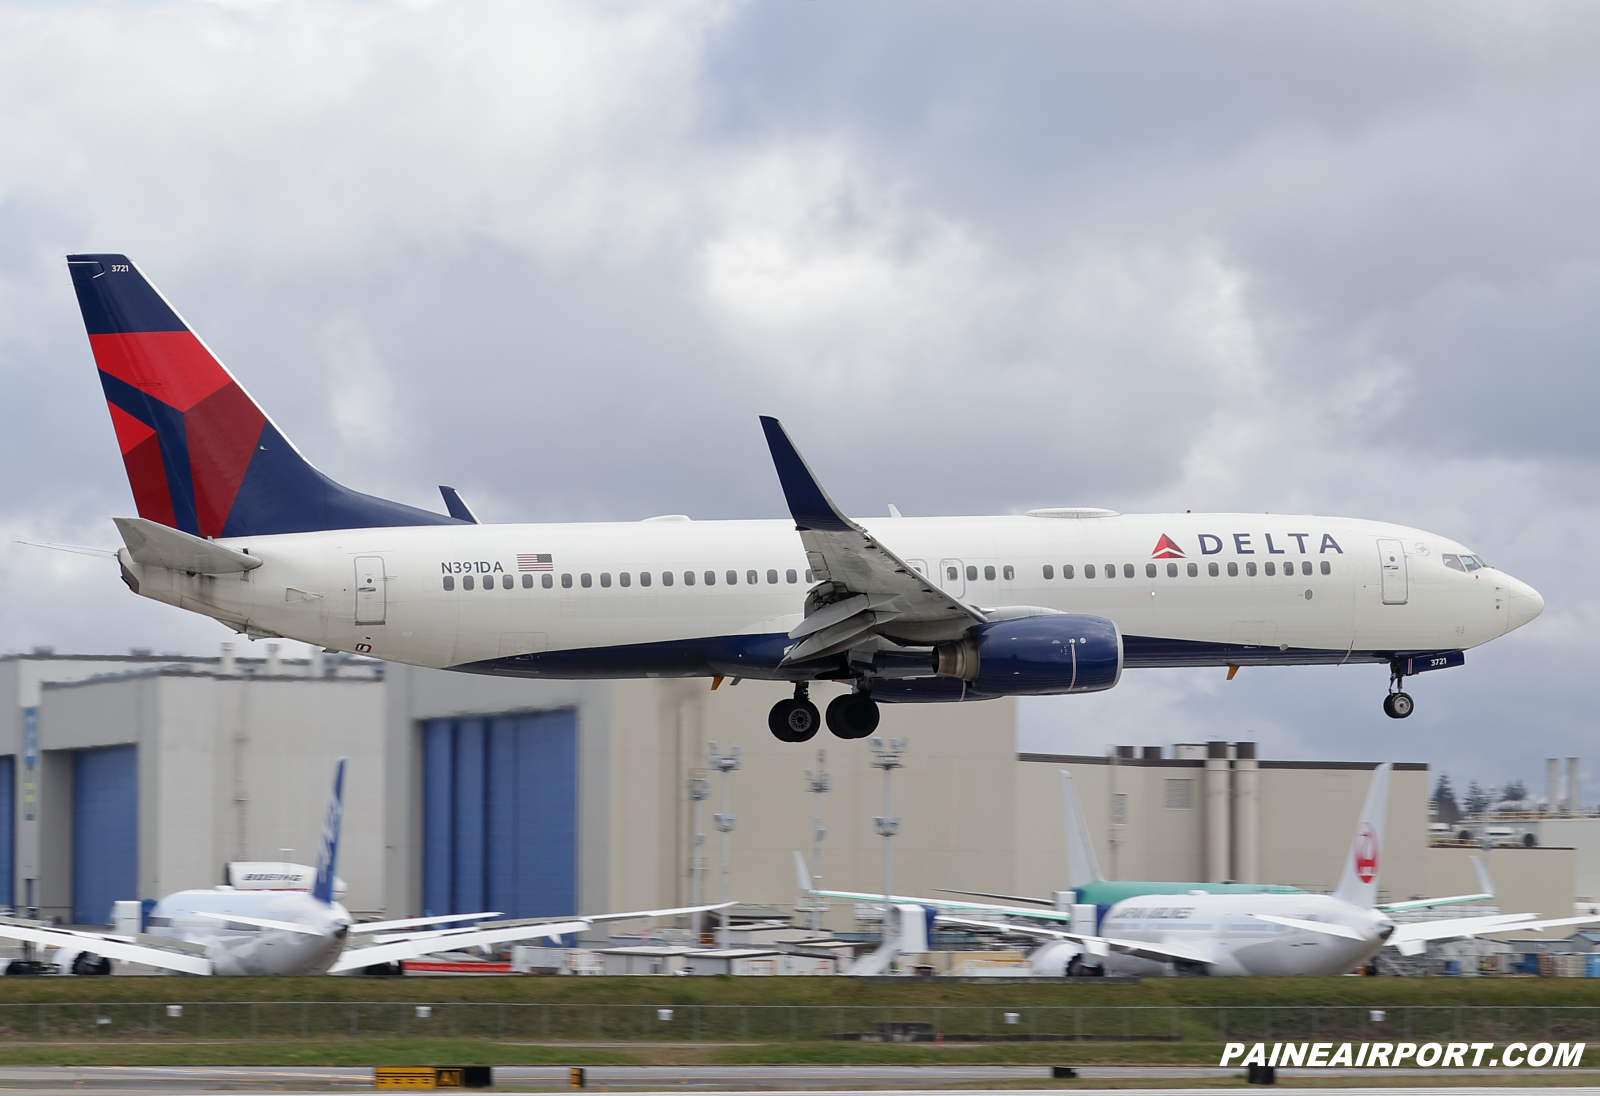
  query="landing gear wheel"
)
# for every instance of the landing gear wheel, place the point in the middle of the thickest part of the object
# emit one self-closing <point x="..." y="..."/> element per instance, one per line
<point x="794" y="720"/>
<point x="853" y="715"/>
<point x="86" y="963"/>
<point x="1398" y="705"/>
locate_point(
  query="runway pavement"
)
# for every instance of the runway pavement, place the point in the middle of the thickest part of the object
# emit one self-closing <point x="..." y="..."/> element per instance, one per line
<point x="770" y="1080"/>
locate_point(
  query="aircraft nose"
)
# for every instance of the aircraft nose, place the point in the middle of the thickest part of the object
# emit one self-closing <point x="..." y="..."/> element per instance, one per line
<point x="1523" y="604"/>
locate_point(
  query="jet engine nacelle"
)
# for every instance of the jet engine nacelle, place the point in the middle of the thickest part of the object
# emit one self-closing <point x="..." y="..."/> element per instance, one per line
<point x="1036" y="656"/>
<point x="1061" y="959"/>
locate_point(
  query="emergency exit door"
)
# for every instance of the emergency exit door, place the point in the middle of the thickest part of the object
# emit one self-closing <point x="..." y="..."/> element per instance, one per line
<point x="1392" y="566"/>
<point x="370" y="598"/>
<point x="952" y="578"/>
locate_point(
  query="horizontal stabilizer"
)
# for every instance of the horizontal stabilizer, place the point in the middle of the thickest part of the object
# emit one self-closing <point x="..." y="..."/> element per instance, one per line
<point x="159" y="545"/>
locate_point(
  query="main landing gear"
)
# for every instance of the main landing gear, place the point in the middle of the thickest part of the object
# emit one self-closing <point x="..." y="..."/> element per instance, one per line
<point x="1398" y="704"/>
<point x="853" y="715"/>
<point x="795" y="720"/>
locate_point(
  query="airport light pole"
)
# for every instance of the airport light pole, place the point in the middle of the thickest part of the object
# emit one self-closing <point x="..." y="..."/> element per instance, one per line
<point x="817" y="782"/>
<point x="724" y="819"/>
<point x="699" y="788"/>
<point x="886" y="753"/>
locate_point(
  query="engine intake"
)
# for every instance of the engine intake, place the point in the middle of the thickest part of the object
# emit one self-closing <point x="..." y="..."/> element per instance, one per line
<point x="1035" y="656"/>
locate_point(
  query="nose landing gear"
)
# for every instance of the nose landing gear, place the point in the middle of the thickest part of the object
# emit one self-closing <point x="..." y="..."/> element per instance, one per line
<point x="1398" y="704"/>
<point x="795" y="720"/>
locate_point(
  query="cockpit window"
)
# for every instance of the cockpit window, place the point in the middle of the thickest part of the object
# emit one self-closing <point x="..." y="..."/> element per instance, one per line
<point x="1453" y="562"/>
<point x="1463" y="562"/>
<point x="1473" y="562"/>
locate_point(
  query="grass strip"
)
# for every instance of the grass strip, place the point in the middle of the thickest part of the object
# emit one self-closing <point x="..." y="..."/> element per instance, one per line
<point x="1386" y="993"/>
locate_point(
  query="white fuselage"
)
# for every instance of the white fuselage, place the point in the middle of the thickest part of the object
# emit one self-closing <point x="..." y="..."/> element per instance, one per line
<point x="1221" y="926"/>
<point x="1287" y="589"/>
<point x="238" y="948"/>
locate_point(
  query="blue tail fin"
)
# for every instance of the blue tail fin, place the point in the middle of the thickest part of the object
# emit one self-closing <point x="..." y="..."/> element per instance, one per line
<point x="201" y="456"/>
<point x="328" y="851"/>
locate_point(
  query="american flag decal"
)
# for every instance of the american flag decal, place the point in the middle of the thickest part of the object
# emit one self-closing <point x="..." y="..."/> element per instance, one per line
<point x="529" y="561"/>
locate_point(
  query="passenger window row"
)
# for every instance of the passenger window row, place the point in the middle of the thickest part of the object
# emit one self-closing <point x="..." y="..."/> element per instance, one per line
<point x="1007" y="572"/>
<point x="625" y="579"/>
<point x="1192" y="569"/>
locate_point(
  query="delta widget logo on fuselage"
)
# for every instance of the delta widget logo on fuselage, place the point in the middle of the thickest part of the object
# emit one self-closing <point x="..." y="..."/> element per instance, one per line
<point x="1211" y="544"/>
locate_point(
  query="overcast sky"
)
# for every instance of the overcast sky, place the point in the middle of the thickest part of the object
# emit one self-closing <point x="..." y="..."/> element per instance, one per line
<point x="1325" y="258"/>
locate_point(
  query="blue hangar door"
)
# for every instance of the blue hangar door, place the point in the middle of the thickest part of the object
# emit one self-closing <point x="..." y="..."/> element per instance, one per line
<point x="105" y="831"/>
<point x="8" y="828"/>
<point x="500" y="815"/>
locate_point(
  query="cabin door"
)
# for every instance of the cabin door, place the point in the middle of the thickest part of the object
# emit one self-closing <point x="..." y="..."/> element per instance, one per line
<point x="370" y="598"/>
<point x="1392" y="568"/>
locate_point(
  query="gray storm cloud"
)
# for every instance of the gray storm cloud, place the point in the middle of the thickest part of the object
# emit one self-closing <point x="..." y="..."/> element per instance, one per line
<point x="1325" y="258"/>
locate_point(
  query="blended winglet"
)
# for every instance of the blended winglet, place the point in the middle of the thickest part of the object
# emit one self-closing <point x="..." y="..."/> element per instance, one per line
<point x="456" y="507"/>
<point x="808" y="502"/>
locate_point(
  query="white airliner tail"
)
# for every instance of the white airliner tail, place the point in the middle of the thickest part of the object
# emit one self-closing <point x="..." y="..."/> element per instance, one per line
<point x="1358" y="885"/>
<point x="1082" y="867"/>
<point x="328" y="851"/>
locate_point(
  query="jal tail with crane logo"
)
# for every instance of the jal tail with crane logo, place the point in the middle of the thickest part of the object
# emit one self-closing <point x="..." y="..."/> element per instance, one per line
<point x="1358" y="884"/>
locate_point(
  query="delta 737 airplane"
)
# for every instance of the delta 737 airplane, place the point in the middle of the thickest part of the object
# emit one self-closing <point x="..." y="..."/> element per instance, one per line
<point x="231" y="932"/>
<point x="235" y="524"/>
<point x="1232" y="932"/>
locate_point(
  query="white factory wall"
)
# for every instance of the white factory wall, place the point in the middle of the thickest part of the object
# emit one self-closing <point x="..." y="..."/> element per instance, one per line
<point x="237" y="765"/>
<point x="1306" y="819"/>
<point x="640" y="740"/>
<point x="230" y="768"/>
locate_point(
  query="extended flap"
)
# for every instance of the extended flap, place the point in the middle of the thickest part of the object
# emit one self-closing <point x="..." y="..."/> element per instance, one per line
<point x="161" y="546"/>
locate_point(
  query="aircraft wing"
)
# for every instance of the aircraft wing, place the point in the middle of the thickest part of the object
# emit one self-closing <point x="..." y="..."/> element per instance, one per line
<point x="947" y="904"/>
<point x="1164" y="952"/>
<point x="1413" y="938"/>
<point x="362" y="927"/>
<point x="110" y="947"/>
<point x="1558" y="922"/>
<point x="1007" y="926"/>
<point x="1428" y="903"/>
<point x="865" y="588"/>
<point x="263" y="923"/>
<point x="1002" y="897"/>
<point x="448" y="940"/>
<point x="1311" y="926"/>
<point x="395" y="949"/>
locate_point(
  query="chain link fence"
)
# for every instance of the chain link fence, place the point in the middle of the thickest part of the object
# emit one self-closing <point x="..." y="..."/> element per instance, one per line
<point x="784" y="1023"/>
